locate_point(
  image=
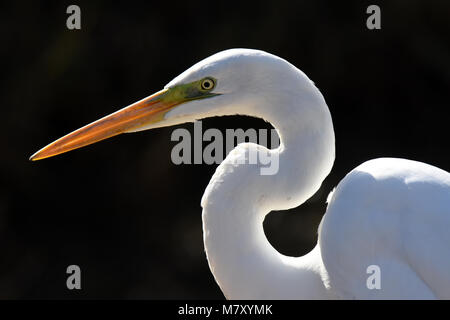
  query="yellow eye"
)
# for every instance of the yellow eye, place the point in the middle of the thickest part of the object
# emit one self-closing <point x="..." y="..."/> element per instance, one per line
<point x="207" y="84"/>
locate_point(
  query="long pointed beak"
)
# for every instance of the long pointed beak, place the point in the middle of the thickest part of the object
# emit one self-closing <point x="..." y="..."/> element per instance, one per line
<point x="148" y="110"/>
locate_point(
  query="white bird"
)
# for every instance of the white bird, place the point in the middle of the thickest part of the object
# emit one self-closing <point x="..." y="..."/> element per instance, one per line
<point x="390" y="213"/>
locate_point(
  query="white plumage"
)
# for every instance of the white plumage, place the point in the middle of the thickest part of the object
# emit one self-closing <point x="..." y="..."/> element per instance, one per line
<point x="393" y="213"/>
<point x="390" y="213"/>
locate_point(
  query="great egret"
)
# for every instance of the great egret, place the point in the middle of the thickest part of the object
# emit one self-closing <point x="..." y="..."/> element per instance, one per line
<point x="390" y="213"/>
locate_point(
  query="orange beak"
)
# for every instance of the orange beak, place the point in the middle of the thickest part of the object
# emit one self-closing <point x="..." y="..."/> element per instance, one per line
<point x="149" y="110"/>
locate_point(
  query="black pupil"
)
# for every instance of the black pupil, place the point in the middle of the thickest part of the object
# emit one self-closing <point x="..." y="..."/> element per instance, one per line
<point x="207" y="84"/>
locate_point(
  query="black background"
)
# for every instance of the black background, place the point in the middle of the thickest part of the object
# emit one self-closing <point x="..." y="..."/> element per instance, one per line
<point x="120" y="209"/>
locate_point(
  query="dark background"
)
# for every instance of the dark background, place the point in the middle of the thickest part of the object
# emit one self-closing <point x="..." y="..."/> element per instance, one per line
<point x="120" y="209"/>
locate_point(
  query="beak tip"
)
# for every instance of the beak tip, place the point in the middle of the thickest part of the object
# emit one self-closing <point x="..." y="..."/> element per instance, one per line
<point x="35" y="156"/>
<point x="149" y="109"/>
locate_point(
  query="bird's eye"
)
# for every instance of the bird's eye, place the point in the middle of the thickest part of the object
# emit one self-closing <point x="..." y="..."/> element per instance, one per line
<point x="207" y="84"/>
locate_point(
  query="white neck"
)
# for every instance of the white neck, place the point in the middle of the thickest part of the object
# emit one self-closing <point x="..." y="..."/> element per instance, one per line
<point x="237" y="199"/>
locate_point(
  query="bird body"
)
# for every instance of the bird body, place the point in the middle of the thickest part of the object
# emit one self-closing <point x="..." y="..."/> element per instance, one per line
<point x="391" y="213"/>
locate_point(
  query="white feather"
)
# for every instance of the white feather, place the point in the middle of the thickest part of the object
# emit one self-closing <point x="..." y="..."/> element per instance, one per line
<point x="393" y="213"/>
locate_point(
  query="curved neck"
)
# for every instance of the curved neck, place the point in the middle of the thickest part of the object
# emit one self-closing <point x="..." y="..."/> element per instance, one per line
<point x="246" y="266"/>
<point x="238" y="198"/>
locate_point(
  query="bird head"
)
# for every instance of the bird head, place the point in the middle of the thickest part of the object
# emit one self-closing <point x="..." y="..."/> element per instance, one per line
<point x="222" y="84"/>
